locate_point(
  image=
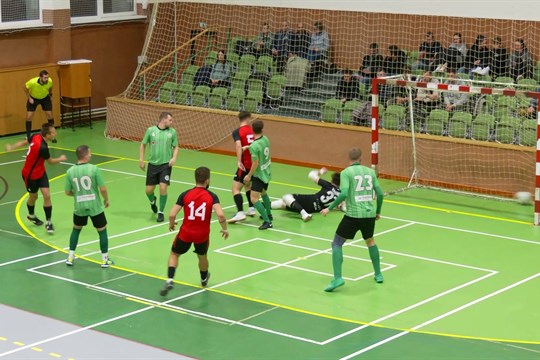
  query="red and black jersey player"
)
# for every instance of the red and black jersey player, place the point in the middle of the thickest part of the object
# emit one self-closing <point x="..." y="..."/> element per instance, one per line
<point x="198" y="204"/>
<point x="243" y="136"/>
<point x="34" y="173"/>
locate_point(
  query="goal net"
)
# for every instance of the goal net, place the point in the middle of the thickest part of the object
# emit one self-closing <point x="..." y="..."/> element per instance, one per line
<point x="457" y="134"/>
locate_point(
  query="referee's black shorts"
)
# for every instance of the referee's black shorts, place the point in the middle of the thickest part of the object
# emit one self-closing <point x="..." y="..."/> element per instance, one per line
<point x="348" y="227"/>
<point x="46" y="104"/>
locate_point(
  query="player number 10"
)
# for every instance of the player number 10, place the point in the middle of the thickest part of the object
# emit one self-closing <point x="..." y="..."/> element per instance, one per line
<point x="85" y="182"/>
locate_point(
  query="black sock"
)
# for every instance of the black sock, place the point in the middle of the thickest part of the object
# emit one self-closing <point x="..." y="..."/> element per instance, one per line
<point x="170" y="272"/>
<point x="238" y="202"/>
<point x="30" y="209"/>
<point x="48" y="212"/>
<point x="28" y="130"/>
<point x="296" y="206"/>
<point x="50" y="121"/>
<point x="248" y="195"/>
<point x="204" y="274"/>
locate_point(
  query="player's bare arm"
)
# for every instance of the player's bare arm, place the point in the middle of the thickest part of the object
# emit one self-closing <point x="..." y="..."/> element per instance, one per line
<point x="57" y="160"/>
<point x="239" y="151"/>
<point x="104" y="195"/>
<point x="254" y="166"/>
<point x="174" y="156"/>
<point x="222" y="220"/>
<point x="172" y="216"/>
<point x="141" y="156"/>
<point x="316" y="174"/>
<point x="17" y="145"/>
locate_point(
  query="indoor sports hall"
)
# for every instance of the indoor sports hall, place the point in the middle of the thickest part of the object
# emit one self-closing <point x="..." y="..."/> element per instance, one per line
<point x="453" y="139"/>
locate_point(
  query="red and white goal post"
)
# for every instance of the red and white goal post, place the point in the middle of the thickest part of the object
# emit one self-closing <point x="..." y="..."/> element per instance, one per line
<point x="491" y="147"/>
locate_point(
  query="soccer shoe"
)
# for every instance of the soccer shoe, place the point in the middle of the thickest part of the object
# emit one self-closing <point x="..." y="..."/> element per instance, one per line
<point x="334" y="284"/>
<point x="239" y="216"/>
<point x="251" y="211"/>
<point x="168" y="286"/>
<point x="35" y="220"/>
<point x="70" y="260"/>
<point x="379" y="278"/>
<point x="266" y="225"/>
<point x="307" y="217"/>
<point x="160" y="217"/>
<point x="204" y="282"/>
<point x="153" y="206"/>
<point x="50" y="228"/>
<point x="107" y="263"/>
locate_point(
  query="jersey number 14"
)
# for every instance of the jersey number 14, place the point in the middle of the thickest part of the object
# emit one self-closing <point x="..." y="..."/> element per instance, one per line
<point x="199" y="212"/>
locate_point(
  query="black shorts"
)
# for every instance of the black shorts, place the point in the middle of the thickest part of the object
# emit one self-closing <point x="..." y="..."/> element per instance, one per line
<point x="240" y="174"/>
<point x="307" y="202"/>
<point x="32" y="186"/>
<point x="98" y="220"/>
<point x="46" y="104"/>
<point x="258" y="185"/>
<point x="348" y="227"/>
<point x="181" y="247"/>
<point x="158" y="174"/>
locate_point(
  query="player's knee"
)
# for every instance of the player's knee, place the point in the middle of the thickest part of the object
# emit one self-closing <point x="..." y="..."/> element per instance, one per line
<point x="288" y="199"/>
<point x="370" y="242"/>
<point x="338" y="241"/>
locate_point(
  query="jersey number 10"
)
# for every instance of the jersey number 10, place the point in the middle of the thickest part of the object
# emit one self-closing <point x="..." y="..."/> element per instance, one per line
<point x="85" y="182"/>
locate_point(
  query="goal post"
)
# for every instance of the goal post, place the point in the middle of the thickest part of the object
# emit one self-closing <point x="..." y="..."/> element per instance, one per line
<point x="489" y="147"/>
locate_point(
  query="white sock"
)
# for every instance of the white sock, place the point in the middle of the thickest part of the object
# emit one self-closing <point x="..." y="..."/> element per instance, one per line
<point x="304" y="213"/>
<point x="105" y="256"/>
<point x="170" y="281"/>
<point x="71" y="254"/>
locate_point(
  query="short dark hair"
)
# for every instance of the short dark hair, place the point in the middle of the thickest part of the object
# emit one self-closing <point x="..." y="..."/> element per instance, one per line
<point x="164" y="115"/>
<point x="46" y="129"/>
<point x="336" y="178"/>
<point x="319" y="25"/>
<point x="457" y="34"/>
<point x="373" y="46"/>
<point x="355" y="154"/>
<point x="243" y="115"/>
<point x="257" y="126"/>
<point x="43" y="72"/>
<point x="202" y="174"/>
<point x="82" y="151"/>
<point x="346" y="72"/>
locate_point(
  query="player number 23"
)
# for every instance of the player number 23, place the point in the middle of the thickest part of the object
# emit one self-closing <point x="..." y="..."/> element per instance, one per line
<point x="199" y="212"/>
<point x="364" y="182"/>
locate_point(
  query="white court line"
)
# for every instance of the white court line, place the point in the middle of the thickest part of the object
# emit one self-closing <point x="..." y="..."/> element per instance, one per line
<point x="515" y="346"/>
<point x="28" y="258"/>
<point x="114" y="279"/>
<point x="9" y="202"/>
<point x="14" y="233"/>
<point x="254" y="316"/>
<point x="469" y="304"/>
<point x="12" y="162"/>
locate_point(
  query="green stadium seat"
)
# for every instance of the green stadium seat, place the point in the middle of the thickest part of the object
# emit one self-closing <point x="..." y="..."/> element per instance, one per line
<point x="531" y="84"/>
<point x="253" y="100"/>
<point x="183" y="94"/>
<point x="527" y="134"/>
<point x="167" y="92"/>
<point x="200" y="96"/>
<point x="507" y="130"/>
<point x="235" y="100"/>
<point x="274" y="92"/>
<point x="261" y="68"/>
<point x="244" y="75"/>
<point x="244" y="67"/>
<point x="255" y="85"/>
<point x="331" y="110"/>
<point x="348" y="108"/>
<point x="482" y="126"/>
<point x="216" y="99"/>
<point x="460" y="123"/>
<point x="504" y="79"/>
<point x="232" y="43"/>
<point x="237" y="83"/>
<point x="233" y="58"/>
<point x="437" y="122"/>
<point x="394" y="117"/>
<point x="364" y="91"/>
<point x="280" y="79"/>
<point x="189" y="74"/>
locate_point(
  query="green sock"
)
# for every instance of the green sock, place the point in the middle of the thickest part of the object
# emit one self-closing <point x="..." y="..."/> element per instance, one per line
<point x="103" y="241"/>
<point x="151" y="197"/>
<point x="74" y="239"/>
<point x="337" y="260"/>
<point x="262" y="210"/>
<point x="375" y="258"/>
<point x="267" y="203"/>
<point x="162" y="202"/>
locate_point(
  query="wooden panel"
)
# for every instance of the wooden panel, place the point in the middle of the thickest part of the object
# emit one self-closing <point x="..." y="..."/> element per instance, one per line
<point x="13" y="103"/>
<point x="75" y="81"/>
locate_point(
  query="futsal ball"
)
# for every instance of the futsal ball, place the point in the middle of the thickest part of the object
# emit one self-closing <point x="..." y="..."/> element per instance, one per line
<point x="523" y="197"/>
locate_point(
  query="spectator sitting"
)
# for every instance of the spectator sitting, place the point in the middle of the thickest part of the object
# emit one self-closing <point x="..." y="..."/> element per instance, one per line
<point x="479" y="57"/>
<point x="280" y="46"/>
<point x="453" y="100"/>
<point x="301" y="41"/>
<point x="262" y="45"/>
<point x="371" y="63"/>
<point x="397" y="61"/>
<point x="320" y="43"/>
<point x="520" y="61"/>
<point x="221" y="71"/>
<point x="455" y="55"/>
<point x="428" y="52"/>
<point x="296" y="71"/>
<point x="499" y="59"/>
<point x="348" y="87"/>
<point x="426" y="99"/>
<point x="533" y="107"/>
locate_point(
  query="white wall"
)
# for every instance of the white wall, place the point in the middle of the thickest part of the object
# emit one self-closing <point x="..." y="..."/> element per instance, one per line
<point x="493" y="9"/>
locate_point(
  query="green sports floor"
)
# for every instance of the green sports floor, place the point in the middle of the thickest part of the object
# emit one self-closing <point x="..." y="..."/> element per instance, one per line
<point x="462" y="274"/>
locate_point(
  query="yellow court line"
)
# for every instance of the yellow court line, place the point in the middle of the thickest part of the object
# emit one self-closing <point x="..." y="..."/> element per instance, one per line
<point x="37" y="349"/>
<point x="18" y="343"/>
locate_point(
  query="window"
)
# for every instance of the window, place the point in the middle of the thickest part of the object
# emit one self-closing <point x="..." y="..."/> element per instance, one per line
<point x="19" y="10"/>
<point x="98" y="8"/>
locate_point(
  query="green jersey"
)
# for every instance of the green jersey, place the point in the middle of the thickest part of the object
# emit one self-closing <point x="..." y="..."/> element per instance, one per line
<point x="260" y="151"/>
<point x="162" y="143"/>
<point x="360" y="184"/>
<point x="84" y="180"/>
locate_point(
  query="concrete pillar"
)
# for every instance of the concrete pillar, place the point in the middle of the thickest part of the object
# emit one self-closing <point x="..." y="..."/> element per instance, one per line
<point x="58" y="14"/>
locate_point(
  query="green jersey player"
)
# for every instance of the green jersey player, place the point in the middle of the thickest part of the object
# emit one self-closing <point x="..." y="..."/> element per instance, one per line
<point x="85" y="183"/>
<point x="364" y="197"/>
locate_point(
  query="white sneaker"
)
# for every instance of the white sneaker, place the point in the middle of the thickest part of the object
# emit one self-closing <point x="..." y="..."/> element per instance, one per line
<point x="307" y="217"/>
<point x="70" y="260"/>
<point x="251" y="211"/>
<point x="240" y="216"/>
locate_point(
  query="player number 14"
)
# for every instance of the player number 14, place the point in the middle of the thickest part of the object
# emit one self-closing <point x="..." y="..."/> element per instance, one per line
<point x="198" y="212"/>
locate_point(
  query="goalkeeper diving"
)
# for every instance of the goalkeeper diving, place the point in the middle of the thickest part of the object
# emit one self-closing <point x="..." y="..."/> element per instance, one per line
<point x="306" y="204"/>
